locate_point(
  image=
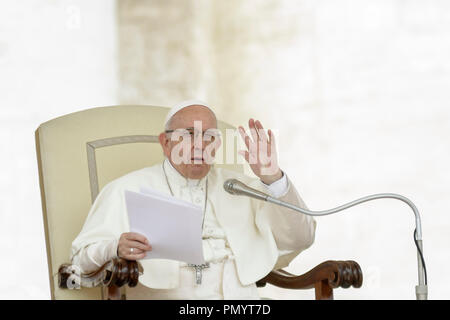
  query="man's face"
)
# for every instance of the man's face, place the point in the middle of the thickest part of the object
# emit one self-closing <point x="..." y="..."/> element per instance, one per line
<point x="191" y="141"/>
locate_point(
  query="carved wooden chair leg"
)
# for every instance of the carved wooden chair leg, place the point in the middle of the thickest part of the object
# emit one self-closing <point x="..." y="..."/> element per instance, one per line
<point x="323" y="290"/>
<point x="113" y="293"/>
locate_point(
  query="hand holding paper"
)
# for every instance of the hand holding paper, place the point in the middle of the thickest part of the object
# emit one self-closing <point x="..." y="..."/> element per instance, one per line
<point x="172" y="226"/>
<point x="133" y="246"/>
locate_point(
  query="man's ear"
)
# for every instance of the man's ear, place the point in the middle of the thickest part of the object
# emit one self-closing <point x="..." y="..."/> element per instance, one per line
<point x="164" y="142"/>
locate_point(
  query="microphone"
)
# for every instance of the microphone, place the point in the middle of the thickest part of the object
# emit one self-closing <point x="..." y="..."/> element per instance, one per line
<point x="236" y="187"/>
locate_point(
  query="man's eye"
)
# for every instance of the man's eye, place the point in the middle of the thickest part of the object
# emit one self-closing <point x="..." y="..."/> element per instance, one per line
<point x="209" y="137"/>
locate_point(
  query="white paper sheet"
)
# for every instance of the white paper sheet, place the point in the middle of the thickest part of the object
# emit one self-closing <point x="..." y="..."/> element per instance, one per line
<point x="172" y="226"/>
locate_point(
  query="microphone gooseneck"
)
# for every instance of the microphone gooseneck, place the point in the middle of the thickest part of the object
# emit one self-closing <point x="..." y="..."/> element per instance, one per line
<point x="235" y="187"/>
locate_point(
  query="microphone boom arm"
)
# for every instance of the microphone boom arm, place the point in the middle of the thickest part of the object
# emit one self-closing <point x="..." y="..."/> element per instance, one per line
<point x="236" y="187"/>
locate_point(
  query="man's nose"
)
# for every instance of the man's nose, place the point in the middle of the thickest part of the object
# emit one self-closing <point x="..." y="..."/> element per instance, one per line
<point x="198" y="142"/>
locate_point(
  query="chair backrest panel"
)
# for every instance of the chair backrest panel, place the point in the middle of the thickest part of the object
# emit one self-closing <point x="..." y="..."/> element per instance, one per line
<point x="114" y="156"/>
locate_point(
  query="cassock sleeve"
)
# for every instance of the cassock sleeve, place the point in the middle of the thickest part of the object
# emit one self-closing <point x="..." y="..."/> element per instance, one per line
<point x="279" y="188"/>
<point x="292" y="230"/>
<point x="93" y="256"/>
<point x="106" y="221"/>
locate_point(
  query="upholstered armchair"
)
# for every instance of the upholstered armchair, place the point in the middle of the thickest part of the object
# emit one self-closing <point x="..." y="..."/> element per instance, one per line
<point x="81" y="152"/>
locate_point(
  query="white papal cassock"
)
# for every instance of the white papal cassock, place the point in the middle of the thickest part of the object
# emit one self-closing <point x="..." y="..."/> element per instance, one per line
<point x="243" y="238"/>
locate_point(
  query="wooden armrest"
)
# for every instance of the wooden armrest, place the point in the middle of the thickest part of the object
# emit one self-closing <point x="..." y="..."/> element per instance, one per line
<point x="114" y="273"/>
<point x="118" y="272"/>
<point x="324" y="278"/>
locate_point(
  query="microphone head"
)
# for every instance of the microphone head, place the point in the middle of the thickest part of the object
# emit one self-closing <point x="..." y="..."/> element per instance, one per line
<point x="229" y="185"/>
<point x="236" y="187"/>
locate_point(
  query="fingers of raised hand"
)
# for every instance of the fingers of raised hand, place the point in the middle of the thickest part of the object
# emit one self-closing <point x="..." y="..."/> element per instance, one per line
<point x="260" y="131"/>
<point x="244" y="137"/>
<point x="257" y="132"/>
<point x="272" y="145"/>
<point x="261" y="147"/>
<point x="245" y="154"/>
<point x="253" y="130"/>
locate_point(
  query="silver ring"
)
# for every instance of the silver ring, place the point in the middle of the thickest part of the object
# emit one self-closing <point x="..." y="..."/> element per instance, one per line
<point x="131" y="250"/>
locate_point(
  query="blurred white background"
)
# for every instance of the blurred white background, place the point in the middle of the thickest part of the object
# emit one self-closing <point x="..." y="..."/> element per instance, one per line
<point x="358" y="91"/>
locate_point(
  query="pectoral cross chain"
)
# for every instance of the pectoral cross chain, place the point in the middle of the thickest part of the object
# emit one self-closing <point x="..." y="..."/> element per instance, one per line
<point x="198" y="271"/>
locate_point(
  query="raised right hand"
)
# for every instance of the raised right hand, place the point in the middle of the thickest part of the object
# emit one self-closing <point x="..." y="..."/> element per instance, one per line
<point x="133" y="246"/>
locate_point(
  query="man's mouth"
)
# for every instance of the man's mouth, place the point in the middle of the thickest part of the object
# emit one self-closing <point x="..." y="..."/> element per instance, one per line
<point x="197" y="158"/>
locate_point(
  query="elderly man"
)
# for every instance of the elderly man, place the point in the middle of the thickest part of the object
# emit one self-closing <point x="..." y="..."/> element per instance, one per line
<point x="243" y="238"/>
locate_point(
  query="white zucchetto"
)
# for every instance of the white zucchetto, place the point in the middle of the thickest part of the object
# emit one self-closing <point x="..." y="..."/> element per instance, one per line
<point x="183" y="105"/>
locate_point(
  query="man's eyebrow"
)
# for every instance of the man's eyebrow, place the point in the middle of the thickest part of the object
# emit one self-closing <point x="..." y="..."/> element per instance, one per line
<point x="172" y="130"/>
<point x="190" y="128"/>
